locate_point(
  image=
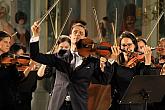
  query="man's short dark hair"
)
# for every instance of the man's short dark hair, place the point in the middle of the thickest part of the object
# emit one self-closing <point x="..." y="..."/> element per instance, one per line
<point x="80" y="23"/>
<point x="16" y="47"/>
<point x="4" y="35"/>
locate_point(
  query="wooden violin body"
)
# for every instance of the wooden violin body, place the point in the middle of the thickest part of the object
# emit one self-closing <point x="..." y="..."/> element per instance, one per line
<point x="9" y="59"/>
<point x="87" y="47"/>
<point x="22" y="62"/>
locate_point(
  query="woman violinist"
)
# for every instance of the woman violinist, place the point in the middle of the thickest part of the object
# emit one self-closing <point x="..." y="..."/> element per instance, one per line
<point x="122" y="71"/>
<point x="9" y="76"/>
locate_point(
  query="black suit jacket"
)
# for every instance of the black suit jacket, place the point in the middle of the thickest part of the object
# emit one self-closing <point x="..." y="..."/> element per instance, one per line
<point x="79" y="78"/>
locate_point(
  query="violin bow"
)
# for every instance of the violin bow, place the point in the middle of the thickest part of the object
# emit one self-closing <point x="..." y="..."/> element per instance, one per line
<point x="68" y="15"/>
<point x="115" y="30"/>
<point x="162" y="13"/>
<point x="14" y="34"/>
<point x="66" y="20"/>
<point x="53" y="28"/>
<point x="97" y="24"/>
<point x="46" y="14"/>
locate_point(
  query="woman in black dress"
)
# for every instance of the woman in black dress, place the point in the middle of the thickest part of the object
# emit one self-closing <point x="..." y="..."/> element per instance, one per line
<point x="122" y="71"/>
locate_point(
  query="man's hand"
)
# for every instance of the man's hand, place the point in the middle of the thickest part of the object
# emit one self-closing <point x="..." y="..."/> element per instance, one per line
<point x="35" y="29"/>
<point x="102" y="63"/>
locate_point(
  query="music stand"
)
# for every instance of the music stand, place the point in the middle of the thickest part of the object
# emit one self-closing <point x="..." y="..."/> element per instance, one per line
<point x="145" y="89"/>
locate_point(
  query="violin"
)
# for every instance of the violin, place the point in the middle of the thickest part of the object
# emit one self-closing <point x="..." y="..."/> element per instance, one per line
<point x="87" y="47"/>
<point x="19" y="60"/>
<point x="135" y="57"/>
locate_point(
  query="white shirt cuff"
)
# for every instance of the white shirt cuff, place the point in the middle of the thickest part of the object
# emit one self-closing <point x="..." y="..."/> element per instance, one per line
<point x="34" y="39"/>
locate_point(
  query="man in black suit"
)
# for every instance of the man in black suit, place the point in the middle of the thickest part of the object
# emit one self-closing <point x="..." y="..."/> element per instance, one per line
<point x="76" y="74"/>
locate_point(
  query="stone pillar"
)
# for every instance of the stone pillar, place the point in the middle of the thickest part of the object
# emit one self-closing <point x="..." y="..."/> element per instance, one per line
<point x="40" y="96"/>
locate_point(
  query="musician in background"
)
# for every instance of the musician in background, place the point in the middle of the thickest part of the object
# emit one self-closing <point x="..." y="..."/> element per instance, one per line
<point x="161" y="52"/>
<point x="141" y="44"/>
<point x="49" y="72"/>
<point x="160" y="64"/>
<point x="26" y="86"/>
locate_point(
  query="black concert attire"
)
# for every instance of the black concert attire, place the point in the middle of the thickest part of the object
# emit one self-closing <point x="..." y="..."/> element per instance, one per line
<point x="70" y="81"/>
<point x="25" y="89"/>
<point x="9" y="76"/>
<point x="120" y="79"/>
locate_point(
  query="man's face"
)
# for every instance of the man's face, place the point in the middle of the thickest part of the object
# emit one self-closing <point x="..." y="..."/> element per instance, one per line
<point x="5" y="45"/>
<point x="77" y="33"/>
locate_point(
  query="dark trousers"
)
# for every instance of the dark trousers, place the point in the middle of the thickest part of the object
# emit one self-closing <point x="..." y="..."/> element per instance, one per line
<point x="66" y="106"/>
<point x="25" y="105"/>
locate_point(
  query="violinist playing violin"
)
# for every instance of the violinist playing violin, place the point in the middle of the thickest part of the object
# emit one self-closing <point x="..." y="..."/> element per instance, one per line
<point x="160" y="65"/>
<point x="9" y="76"/>
<point x="123" y="66"/>
<point x="28" y="84"/>
<point x="161" y="60"/>
<point x="79" y="71"/>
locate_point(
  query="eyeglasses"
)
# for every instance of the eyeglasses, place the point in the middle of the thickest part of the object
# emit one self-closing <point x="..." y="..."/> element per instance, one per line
<point x="129" y="44"/>
<point x="78" y="32"/>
